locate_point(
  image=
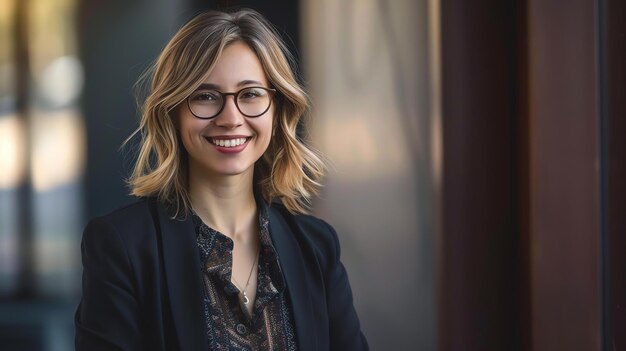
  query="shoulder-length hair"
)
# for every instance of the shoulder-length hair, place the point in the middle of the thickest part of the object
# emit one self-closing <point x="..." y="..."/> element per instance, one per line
<point x="288" y="170"/>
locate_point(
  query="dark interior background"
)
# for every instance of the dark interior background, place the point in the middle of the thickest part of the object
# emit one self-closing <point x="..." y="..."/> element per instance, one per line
<point x="529" y="248"/>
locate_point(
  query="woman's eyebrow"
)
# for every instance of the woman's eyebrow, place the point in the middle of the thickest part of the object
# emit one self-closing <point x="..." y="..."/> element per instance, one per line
<point x="249" y="82"/>
<point x="240" y="84"/>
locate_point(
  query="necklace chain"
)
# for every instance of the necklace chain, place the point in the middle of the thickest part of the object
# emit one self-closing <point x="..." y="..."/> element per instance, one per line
<point x="242" y="295"/>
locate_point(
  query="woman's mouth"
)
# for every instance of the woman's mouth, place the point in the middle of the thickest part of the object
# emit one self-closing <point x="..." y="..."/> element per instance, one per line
<point x="228" y="142"/>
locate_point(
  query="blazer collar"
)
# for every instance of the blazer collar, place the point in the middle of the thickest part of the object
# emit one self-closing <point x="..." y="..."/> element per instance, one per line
<point x="181" y="262"/>
<point x="294" y="270"/>
<point x="184" y="281"/>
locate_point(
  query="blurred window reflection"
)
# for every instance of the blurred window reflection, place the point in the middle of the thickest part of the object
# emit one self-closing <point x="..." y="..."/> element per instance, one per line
<point x="57" y="144"/>
<point x="42" y="157"/>
<point x="12" y="141"/>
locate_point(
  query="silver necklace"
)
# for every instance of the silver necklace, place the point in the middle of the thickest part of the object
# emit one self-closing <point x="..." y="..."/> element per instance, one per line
<point x="243" y="297"/>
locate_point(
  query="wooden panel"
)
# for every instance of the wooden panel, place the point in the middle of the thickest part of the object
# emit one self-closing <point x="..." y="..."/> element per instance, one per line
<point x="615" y="171"/>
<point x="478" y="257"/>
<point x="564" y="176"/>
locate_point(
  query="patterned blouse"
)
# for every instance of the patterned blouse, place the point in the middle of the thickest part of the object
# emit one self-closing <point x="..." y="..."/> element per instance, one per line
<point x="228" y="327"/>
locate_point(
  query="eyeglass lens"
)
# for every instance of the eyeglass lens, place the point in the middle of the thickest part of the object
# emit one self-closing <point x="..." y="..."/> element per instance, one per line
<point x="251" y="102"/>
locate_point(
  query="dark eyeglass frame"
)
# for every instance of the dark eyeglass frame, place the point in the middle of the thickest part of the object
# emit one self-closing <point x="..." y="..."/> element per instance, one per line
<point x="271" y="92"/>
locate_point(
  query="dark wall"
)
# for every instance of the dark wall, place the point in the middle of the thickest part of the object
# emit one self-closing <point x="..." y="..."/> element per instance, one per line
<point x="118" y="41"/>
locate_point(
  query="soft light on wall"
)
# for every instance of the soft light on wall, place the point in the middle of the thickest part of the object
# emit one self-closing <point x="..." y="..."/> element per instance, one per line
<point x="368" y="66"/>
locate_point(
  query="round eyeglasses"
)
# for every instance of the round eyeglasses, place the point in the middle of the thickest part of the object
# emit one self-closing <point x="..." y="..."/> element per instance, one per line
<point x="250" y="101"/>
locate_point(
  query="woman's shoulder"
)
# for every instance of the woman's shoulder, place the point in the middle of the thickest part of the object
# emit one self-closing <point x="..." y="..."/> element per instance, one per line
<point x="127" y="214"/>
<point x="309" y="222"/>
<point x="126" y="221"/>
<point x="312" y="230"/>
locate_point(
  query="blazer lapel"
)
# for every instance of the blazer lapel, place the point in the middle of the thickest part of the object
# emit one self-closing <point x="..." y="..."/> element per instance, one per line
<point x="292" y="264"/>
<point x="184" y="281"/>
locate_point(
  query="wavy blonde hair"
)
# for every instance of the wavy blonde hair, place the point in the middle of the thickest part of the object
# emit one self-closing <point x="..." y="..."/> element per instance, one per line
<point x="288" y="170"/>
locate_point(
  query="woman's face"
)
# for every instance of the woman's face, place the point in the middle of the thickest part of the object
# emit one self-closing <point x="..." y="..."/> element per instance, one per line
<point x="215" y="145"/>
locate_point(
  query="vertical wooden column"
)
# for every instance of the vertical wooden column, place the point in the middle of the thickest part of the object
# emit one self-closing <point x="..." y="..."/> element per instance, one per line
<point x="520" y="263"/>
<point x="613" y="13"/>
<point x="478" y="256"/>
<point x="563" y="180"/>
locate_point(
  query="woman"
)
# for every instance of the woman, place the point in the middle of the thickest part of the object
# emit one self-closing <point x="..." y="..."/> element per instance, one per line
<point x="218" y="254"/>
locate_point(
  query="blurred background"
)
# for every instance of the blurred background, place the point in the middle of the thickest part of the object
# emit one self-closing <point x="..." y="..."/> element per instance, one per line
<point x="477" y="151"/>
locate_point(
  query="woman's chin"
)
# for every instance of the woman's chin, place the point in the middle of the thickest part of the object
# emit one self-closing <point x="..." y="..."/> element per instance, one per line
<point x="231" y="171"/>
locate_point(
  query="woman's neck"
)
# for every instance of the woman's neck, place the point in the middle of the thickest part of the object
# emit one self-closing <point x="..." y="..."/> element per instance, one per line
<point x="226" y="203"/>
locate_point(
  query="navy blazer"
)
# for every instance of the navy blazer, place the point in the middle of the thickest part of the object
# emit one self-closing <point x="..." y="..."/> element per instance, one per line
<point x="142" y="284"/>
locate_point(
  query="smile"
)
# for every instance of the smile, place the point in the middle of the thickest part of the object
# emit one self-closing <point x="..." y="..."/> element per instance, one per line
<point x="228" y="142"/>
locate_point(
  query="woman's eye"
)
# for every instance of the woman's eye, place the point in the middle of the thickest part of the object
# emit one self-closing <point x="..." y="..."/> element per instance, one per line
<point x="251" y="94"/>
<point x="206" y="96"/>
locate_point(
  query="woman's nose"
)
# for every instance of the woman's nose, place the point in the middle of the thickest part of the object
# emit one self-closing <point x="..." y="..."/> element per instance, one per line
<point x="230" y="117"/>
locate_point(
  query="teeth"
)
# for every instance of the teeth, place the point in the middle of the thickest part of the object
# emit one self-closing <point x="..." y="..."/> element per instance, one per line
<point x="228" y="142"/>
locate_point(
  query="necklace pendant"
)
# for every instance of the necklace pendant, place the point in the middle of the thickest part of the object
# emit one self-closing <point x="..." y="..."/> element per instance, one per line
<point x="245" y="298"/>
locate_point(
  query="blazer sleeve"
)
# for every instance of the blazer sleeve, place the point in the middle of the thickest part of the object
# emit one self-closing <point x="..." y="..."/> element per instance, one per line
<point x="345" y="329"/>
<point x="108" y="315"/>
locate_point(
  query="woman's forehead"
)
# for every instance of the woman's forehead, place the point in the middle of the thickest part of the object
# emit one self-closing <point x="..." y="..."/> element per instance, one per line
<point x="237" y="65"/>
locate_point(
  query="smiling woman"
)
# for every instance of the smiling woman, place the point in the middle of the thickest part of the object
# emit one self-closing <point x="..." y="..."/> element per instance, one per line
<point x="219" y="253"/>
<point x="212" y="127"/>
